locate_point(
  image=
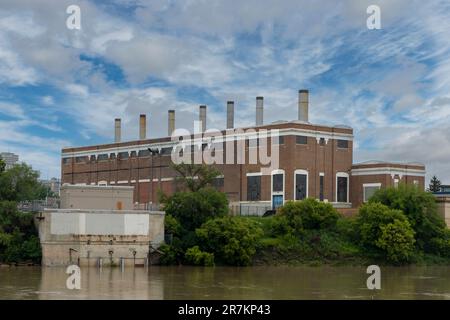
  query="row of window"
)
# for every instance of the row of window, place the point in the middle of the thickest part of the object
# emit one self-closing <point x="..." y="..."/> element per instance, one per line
<point x="301" y="186"/>
<point x="301" y="140"/>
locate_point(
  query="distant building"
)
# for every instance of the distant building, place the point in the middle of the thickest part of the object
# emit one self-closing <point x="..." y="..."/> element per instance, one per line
<point x="9" y="158"/>
<point x="445" y="188"/>
<point x="54" y="184"/>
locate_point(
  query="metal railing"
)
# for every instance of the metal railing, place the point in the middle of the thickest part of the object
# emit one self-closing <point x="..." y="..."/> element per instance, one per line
<point x="38" y="205"/>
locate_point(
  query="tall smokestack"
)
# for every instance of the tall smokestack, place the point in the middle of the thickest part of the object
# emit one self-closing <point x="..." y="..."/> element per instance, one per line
<point x="230" y="114"/>
<point x="142" y="127"/>
<point x="117" y="130"/>
<point x="303" y="101"/>
<point x="171" y="124"/>
<point x="259" y="111"/>
<point x="202" y="117"/>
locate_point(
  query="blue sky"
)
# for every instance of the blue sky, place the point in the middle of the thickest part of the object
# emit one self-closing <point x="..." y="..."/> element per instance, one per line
<point x="61" y="87"/>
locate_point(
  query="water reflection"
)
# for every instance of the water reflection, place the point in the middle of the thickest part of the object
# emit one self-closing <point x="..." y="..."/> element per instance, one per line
<point x="226" y="283"/>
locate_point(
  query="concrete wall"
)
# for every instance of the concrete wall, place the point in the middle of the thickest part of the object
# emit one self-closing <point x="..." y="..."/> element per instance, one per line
<point x="444" y="208"/>
<point x="84" y="236"/>
<point x="97" y="197"/>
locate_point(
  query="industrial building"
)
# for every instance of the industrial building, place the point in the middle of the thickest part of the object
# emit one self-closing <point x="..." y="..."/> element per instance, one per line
<point x="313" y="161"/>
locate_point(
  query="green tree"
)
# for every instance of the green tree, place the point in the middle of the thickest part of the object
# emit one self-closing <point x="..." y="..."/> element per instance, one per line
<point x="194" y="176"/>
<point x="18" y="235"/>
<point x="385" y="231"/>
<point x="2" y="165"/>
<point x="192" y="209"/>
<point x="435" y="184"/>
<point x="232" y="240"/>
<point x="309" y="214"/>
<point x="21" y="183"/>
<point x="421" y="210"/>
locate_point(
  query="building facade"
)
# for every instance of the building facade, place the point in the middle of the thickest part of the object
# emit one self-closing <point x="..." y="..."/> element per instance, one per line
<point x="314" y="161"/>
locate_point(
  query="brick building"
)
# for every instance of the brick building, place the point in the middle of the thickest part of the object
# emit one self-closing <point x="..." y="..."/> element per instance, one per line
<point x="314" y="161"/>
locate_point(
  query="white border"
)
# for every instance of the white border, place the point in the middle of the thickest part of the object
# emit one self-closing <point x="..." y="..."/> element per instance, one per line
<point x="305" y="172"/>
<point x="343" y="175"/>
<point x="378" y="184"/>
<point x="277" y="193"/>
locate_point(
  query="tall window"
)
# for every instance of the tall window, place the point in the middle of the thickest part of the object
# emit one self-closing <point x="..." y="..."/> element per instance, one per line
<point x="342" y="187"/>
<point x="277" y="182"/>
<point x="253" y="188"/>
<point x="321" y="186"/>
<point x="301" y="184"/>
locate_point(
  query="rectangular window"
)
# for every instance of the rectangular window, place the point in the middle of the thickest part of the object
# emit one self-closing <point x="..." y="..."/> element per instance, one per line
<point x="66" y="160"/>
<point x="342" y="183"/>
<point x="123" y="155"/>
<point x="218" y="182"/>
<point x="254" y="188"/>
<point x="342" y="144"/>
<point x="321" y="197"/>
<point x="280" y="140"/>
<point x="166" y="151"/>
<point x="277" y="183"/>
<point x="369" y="189"/>
<point x="144" y="153"/>
<point x="301" y="139"/>
<point x="102" y="157"/>
<point x="396" y="182"/>
<point x="301" y="185"/>
<point x="81" y="159"/>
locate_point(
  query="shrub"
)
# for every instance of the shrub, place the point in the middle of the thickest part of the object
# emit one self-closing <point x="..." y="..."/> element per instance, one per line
<point x="199" y="258"/>
<point x="233" y="240"/>
<point x="192" y="209"/>
<point x="397" y="240"/>
<point x="171" y="225"/>
<point x="313" y="214"/>
<point x="386" y="231"/>
<point x="18" y="235"/>
<point x="170" y="254"/>
<point x="420" y="209"/>
<point x="281" y="225"/>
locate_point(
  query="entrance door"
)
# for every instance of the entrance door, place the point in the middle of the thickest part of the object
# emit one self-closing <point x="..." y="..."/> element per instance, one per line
<point x="277" y="201"/>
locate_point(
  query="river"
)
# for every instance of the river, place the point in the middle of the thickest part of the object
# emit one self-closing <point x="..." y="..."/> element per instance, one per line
<point x="271" y="282"/>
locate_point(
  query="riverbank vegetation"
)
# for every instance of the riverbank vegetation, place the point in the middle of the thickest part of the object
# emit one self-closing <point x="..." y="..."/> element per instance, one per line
<point x="397" y="226"/>
<point x="19" y="241"/>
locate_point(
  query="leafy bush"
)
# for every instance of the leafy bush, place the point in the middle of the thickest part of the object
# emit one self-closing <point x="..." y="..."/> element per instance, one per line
<point x="282" y="225"/>
<point x="420" y="209"/>
<point x="199" y="258"/>
<point x="192" y="209"/>
<point x="170" y="254"/>
<point x="386" y="231"/>
<point x="397" y="240"/>
<point x="18" y="235"/>
<point x="171" y="225"/>
<point x="310" y="214"/>
<point x="233" y="240"/>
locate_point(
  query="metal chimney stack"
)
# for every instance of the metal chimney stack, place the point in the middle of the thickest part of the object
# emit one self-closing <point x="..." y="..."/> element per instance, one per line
<point x="117" y="130"/>
<point x="202" y="117"/>
<point x="230" y="114"/>
<point x="259" y="111"/>
<point x="142" y="127"/>
<point x="171" y="124"/>
<point x="303" y="102"/>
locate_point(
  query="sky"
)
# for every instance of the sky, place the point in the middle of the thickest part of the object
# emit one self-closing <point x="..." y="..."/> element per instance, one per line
<point x="63" y="87"/>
